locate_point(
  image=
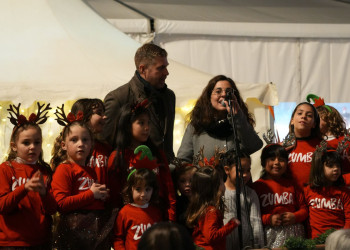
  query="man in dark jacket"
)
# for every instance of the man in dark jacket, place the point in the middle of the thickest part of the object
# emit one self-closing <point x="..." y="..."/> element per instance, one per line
<point x="148" y="82"/>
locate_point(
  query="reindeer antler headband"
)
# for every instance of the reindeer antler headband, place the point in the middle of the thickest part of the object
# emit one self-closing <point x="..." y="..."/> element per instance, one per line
<point x="342" y="145"/>
<point x="19" y="120"/>
<point x="201" y="161"/>
<point x="136" y="107"/>
<point x="64" y="120"/>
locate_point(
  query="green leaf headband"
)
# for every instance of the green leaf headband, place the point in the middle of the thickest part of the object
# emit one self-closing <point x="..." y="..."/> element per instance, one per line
<point x="144" y="159"/>
<point x="318" y="101"/>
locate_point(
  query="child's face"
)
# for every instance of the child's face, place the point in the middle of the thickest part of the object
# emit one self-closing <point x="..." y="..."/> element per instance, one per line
<point x="141" y="194"/>
<point x="275" y="167"/>
<point x="97" y="120"/>
<point x="231" y="173"/>
<point x="184" y="183"/>
<point x="303" y="120"/>
<point x="28" y="144"/>
<point x="77" y="144"/>
<point x="323" y="126"/>
<point x="332" y="173"/>
<point x="140" y="129"/>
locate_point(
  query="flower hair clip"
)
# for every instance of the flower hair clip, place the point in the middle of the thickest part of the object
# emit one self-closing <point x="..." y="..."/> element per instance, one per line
<point x="318" y="101"/>
<point x="136" y="107"/>
<point x="64" y="120"/>
<point x="18" y="120"/>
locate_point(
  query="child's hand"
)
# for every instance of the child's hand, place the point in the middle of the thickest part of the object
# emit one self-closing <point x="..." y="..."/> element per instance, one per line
<point x="236" y="221"/>
<point x="101" y="192"/>
<point x="288" y="218"/>
<point x="36" y="184"/>
<point x="276" y="220"/>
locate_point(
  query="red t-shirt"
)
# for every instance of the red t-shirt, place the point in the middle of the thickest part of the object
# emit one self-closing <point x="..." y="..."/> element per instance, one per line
<point x="99" y="161"/>
<point x="210" y="232"/>
<point x="299" y="160"/>
<point x="71" y="188"/>
<point x="280" y="196"/>
<point x="166" y="187"/>
<point x="345" y="154"/>
<point x="131" y="223"/>
<point x="24" y="215"/>
<point x="329" y="207"/>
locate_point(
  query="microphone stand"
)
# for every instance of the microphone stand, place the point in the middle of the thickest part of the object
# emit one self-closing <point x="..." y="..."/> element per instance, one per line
<point x="239" y="180"/>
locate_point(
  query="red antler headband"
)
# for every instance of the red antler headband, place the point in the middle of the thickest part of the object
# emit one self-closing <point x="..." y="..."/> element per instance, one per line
<point x="64" y="120"/>
<point x="318" y="101"/>
<point x="136" y="107"/>
<point x="201" y="161"/>
<point x="19" y="120"/>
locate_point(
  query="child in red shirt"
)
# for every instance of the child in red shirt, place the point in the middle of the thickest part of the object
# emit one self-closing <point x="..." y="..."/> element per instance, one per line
<point x="133" y="131"/>
<point x="140" y="211"/>
<point x="94" y="117"/>
<point x="333" y="129"/>
<point x="304" y="125"/>
<point x="26" y="205"/>
<point x="326" y="196"/>
<point x="79" y="196"/>
<point x="205" y="212"/>
<point x="282" y="205"/>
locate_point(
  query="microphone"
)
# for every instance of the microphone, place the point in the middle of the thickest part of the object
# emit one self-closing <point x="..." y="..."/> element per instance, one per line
<point x="228" y="96"/>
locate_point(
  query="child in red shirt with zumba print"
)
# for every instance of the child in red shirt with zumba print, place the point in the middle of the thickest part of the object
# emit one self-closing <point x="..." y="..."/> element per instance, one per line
<point x="304" y="127"/>
<point x="134" y="131"/>
<point x="94" y="118"/>
<point x="84" y="223"/>
<point x="326" y="196"/>
<point x="26" y="205"/>
<point x="282" y="205"/>
<point x="333" y="128"/>
<point x="140" y="211"/>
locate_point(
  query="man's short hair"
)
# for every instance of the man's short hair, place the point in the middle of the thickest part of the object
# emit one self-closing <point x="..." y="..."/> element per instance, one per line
<point x="147" y="53"/>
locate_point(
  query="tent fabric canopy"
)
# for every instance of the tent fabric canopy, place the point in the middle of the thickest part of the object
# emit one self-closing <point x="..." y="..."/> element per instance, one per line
<point x="60" y="50"/>
<point x="301" y="46"/>
<point x="269" y="18"/>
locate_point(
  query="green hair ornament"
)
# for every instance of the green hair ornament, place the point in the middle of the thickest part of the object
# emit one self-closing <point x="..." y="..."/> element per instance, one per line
<point x="318" y="101"/>
<point x="145" y="151"/>
<point x="143" y="159"/>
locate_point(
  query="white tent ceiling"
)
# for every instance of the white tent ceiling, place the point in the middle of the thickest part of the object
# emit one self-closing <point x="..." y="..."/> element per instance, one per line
<point x="267" y="18"/>
<point x="60" y="50"/>
<point x="303" y="46"/>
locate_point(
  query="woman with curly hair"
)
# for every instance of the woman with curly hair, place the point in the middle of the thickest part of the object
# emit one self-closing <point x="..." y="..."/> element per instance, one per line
<point x="210" y="122"/>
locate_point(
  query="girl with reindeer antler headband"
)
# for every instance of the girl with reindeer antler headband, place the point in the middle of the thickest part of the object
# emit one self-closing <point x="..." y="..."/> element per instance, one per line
<point x="79" y="196"/>
<point x="332" y="127"/>
<point x="133" y="131"/>
<point x="326" y="196"/>
<point x="26" y="205"/>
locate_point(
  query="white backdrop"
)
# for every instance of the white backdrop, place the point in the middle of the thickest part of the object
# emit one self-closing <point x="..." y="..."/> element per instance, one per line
<point x="297" y="66"/>
<point x="60" y="50"/>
